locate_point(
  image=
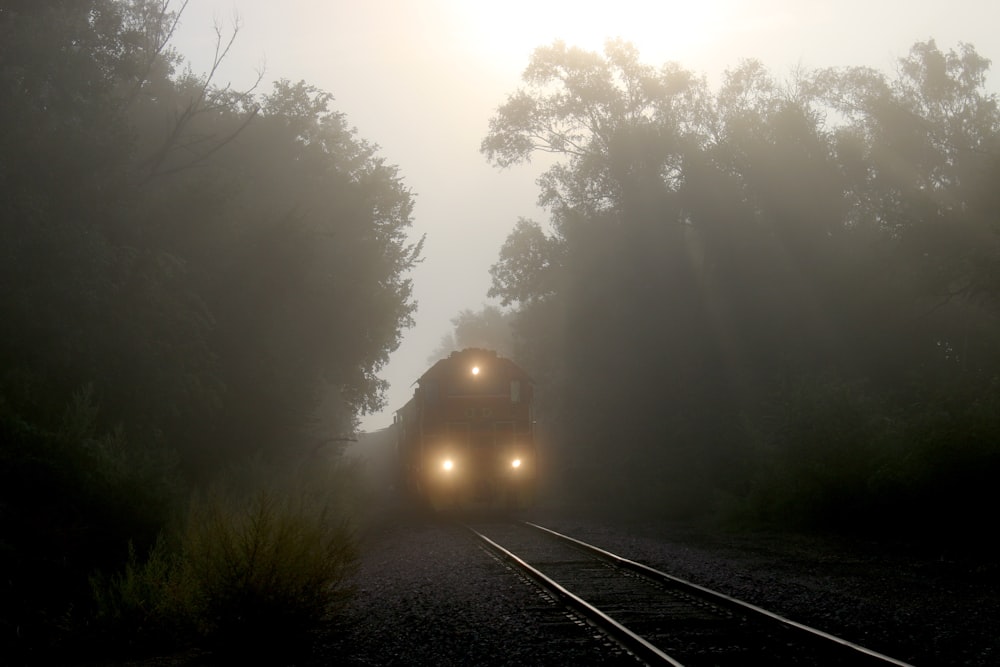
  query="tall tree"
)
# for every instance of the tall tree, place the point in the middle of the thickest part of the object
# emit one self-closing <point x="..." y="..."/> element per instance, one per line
<point x="930" y="138"/>
<point x="626" y="280"/>
<point x="710" y="252"/>
<point x="186" y="272"/>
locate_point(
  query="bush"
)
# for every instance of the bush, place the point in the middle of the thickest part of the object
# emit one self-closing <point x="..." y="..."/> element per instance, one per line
<point x="817" y="452"/>
<point x="73" y="494"/>
<point x="272" y="568"/>
<point x="941" y="482"/>
<point x="257" y="565"/>
<point x="141" y="607"/>
<point x="837" y="455"/>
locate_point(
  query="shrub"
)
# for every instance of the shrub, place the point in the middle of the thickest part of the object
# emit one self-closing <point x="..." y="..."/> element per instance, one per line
<point x="257" y="565"/>
<point x="272" y="567"/>
<point x="837" y="455"/>
<point x="818" y="451"/>
<point x="73" y="494"/>
<point x="142" y="606"/>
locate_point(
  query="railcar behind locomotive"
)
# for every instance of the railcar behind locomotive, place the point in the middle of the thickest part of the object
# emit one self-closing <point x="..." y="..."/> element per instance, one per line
<point x="465" y="439"/>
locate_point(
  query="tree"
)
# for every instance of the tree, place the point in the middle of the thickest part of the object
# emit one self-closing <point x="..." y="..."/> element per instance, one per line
<point x="710" y="254"/>
<point x="618" y="270"/>
<point x="312" y="295"/>
<point x="930" y="137"/>
<point x="529" y="265"/>
<point x="187" y="273"/>
<point x="619" y="123"/>
<point x="488" y="328"/>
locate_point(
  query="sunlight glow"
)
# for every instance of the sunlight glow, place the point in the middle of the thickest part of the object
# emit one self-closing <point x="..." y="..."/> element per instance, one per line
<point x="674" y="28"/>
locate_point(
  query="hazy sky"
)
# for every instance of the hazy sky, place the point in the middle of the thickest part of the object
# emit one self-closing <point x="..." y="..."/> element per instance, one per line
<point x="421" y="78"/>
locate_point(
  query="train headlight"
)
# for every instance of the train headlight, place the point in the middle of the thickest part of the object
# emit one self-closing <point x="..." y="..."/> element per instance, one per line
<point x="447" y="465"/>
<point x="475" y="370"/>
<point x="516" y="463"/>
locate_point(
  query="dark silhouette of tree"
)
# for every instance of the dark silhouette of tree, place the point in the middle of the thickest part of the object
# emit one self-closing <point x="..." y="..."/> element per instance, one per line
<point x="488" y="328"/>
<point x="191" y="276"/>
<point x="529" y="265"/>
<point x="628" y="290"/>
<point x="719" y="260"/>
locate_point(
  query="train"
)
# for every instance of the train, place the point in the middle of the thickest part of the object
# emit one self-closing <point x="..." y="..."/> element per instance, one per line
<point x="465" y="440"/>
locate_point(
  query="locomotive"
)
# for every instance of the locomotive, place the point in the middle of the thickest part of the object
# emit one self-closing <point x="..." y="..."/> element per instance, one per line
<point x="465" y="440"/>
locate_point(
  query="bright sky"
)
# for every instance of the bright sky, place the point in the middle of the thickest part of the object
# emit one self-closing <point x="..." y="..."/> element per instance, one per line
<point x="421" y="78"/>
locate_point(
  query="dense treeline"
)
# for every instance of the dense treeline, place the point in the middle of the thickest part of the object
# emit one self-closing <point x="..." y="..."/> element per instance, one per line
<point x="777" y="298"/>
<point x="191" y="277"/>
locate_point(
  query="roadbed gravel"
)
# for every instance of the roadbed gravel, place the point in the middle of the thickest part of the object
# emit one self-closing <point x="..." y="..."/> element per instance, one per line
<point x="427" y="594"/>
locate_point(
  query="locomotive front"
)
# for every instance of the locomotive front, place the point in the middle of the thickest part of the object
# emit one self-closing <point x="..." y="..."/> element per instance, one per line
<point x="465" y="439"/>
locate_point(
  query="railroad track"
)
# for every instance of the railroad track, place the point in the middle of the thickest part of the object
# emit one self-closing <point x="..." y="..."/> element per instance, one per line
<point x="658" y="618"/>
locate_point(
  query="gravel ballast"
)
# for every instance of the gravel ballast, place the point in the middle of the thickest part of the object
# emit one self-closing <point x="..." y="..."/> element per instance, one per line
<point x="428" y="594"/>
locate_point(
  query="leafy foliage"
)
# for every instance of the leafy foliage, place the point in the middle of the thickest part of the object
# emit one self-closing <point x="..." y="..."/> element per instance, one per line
<point x="223" y="272"/>
<point x="73" y="499"/>
<point x="712" y="255"/>
<point x="258" y="566"/>
<point x="489" y="328"/>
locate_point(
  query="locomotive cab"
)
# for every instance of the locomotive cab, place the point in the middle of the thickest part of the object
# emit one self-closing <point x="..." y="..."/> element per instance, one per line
<point x="465" y="439"/>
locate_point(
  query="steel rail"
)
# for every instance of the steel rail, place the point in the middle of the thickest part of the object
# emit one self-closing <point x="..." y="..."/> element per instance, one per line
<point x="634" y="643"/>
<point x="715" y="595"/>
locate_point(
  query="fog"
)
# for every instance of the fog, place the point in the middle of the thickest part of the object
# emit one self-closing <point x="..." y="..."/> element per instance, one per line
<point x="747" y="252"/>
<point x="422" y="79"/>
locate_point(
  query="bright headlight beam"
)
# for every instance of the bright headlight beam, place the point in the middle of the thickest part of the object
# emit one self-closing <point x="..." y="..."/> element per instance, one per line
<point x="447" y="464"/>
<point x="475" y="370"/>
<point x="516" y="463"/>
